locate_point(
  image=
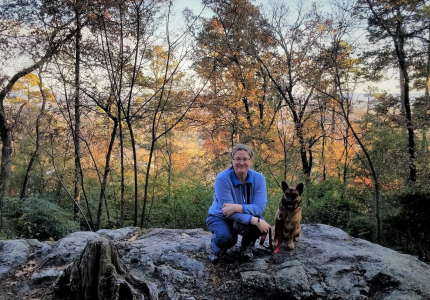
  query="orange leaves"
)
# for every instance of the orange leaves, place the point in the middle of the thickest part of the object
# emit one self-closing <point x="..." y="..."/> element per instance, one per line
<point x="216" y="27"/>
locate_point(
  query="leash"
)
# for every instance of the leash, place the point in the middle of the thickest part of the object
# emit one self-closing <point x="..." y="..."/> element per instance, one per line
<point x="263" y="238"/>
<point x="279" y="234"/>
<point x="270" y="247"/>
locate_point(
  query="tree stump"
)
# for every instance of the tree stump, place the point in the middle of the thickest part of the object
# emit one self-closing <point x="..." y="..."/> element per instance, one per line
<point x="99" y="274"/>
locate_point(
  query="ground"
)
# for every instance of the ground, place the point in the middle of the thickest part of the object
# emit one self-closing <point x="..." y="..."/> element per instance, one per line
<point x="16" y="281"/>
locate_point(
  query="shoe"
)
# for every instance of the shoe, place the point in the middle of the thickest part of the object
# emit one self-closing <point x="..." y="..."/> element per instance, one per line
<point x="215" y="259"/>
<point x="246" y="252"/>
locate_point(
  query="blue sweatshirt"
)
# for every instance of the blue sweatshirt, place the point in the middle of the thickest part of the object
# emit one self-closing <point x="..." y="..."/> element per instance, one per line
<point x="228" y="189"/>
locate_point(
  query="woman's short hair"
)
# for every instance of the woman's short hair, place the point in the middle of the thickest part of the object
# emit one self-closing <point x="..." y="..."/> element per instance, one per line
<point x="239" y="147"/>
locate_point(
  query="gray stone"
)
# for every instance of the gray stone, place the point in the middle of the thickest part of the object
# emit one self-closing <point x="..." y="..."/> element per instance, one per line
<point x="326" y="264"/>
<point x="48" y="275"/>
<point x="12" y="254"/>
<point x="40" y="249"/>
<point x="118" y="234"/>
<point x="67" y="249"/>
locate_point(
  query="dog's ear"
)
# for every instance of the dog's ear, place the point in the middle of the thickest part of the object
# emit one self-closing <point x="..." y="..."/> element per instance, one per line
<point x="284" y="186"/>
<point x="300" y="187"/>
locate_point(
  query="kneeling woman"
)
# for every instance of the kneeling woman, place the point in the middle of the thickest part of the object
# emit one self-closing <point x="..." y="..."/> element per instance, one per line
<point x="239" y="201"/>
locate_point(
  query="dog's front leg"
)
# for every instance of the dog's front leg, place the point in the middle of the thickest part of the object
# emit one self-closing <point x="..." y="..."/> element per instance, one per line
<point x="290" y="242"/>
<point x="298" y="233"/>
<point x="291" y="229"/>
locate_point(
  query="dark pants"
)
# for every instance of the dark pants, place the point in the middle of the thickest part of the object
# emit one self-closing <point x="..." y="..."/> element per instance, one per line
<point x="225" y="236"/>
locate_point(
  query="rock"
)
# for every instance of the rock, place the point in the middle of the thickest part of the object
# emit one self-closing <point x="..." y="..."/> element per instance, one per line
<point x="67" y="249"/>
<point x="40" y="249"/>
<point x="118" y="234"/>
<point x="327" y="263"/>
<point x="12" y="254"/>
<point x="169" y="258"/>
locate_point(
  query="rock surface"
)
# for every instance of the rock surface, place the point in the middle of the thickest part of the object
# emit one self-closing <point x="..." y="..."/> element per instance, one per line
<point x="326" y="264"/>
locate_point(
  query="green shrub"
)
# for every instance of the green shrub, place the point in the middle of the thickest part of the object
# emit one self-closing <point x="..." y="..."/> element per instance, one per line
<point x="407" y="228"/>
<point x="362" y="226"/>
<point x="36" y="218"/>
<point x="325" y="203"/>
<point x="331" y="203"/>
<point x="186" y="208"/>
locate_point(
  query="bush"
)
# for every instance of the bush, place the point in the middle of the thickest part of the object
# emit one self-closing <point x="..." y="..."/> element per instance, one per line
<point x="187" y="207"/>
<point x="325" y="203"/>
<point x="362" y="226"/>
<point x="331" y="203"/>
<point x="408" y="227"/>
<point x="36" y="218"/>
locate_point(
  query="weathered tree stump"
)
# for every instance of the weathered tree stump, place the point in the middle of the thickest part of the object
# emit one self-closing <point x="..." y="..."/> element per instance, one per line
<point x="99" y="274"/>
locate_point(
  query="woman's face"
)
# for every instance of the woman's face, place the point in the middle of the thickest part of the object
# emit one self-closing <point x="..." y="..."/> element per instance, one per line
<point x="241" y="163"/>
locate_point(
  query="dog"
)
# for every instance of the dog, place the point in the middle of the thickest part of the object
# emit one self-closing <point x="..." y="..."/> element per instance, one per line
<point x="288" y="217"/>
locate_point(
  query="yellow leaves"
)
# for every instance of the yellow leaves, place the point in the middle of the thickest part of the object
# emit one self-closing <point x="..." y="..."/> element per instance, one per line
<point x="16" y="100"/>
<point x="27" y="89"/>
<point x="26" y="82"/>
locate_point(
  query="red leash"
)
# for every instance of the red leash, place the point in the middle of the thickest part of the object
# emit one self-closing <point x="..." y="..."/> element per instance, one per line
<point x="279" y="233"/>
<point x="263" y="238"/>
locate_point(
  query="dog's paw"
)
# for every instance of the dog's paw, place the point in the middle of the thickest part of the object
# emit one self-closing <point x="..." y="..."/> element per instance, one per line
<point x="296" y="239"/>
<point x="291" y="246"/>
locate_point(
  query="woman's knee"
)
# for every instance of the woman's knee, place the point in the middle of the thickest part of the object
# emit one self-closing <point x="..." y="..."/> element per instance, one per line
<point x="225" y="239"/>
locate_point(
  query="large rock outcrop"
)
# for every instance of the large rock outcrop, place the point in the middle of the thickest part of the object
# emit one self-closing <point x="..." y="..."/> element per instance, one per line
<point x="326" y="264"/>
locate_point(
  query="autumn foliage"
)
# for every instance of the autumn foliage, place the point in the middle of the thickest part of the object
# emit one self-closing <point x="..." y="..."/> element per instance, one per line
<point x="122" y="112"/>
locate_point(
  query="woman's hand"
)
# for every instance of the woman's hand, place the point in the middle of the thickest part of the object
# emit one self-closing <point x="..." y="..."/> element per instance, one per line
<point x="263" y="226"/>
<point x="229" y="208"/>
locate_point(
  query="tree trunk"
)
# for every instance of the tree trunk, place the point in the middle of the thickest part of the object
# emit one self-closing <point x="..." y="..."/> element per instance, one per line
<point x="105" y="176"/>
<point x="133" y="146"/>
<point x="346" y="151"/>
<point x="122" y="188"/>
<point x="76" y="133"/>
<point x="36" y="151"/>
<point x="145" y="193"/>
<point x="6" y="158"/>
<point x="408" y="113"/>
<point x="426" y="99"/>
<point x="306" y="164"/>
<point x="99" y="274"/>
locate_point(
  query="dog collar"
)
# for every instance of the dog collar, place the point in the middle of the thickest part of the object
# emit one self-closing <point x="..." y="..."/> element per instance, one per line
<point x="296" y="210"/>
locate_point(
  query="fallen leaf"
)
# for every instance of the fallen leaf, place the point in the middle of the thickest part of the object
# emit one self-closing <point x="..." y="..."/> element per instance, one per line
<point x="133" y="238"/>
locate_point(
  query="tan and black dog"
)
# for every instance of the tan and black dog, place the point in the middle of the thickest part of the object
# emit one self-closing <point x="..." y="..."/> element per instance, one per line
<point x="288" y="217"/>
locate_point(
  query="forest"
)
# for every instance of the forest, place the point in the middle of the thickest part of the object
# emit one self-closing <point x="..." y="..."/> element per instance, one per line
<point x="121" y="113"/>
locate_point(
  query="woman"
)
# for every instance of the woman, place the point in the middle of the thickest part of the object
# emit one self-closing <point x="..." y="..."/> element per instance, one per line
<point x="240" y="198"/>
